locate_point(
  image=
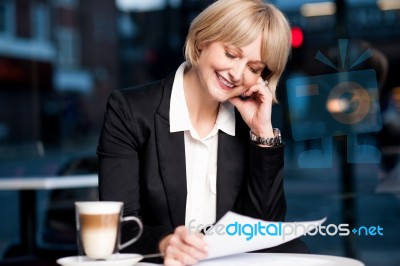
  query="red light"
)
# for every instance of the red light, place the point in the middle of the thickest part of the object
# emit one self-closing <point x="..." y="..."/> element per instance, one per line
<point x="297" y="37"/>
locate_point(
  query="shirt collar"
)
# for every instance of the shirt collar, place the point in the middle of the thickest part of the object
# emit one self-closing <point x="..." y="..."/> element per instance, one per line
<point x="226" y="118"/>
<point x="179" y="115"/>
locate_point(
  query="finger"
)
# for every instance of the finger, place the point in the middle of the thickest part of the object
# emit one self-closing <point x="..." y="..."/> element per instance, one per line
<point x="258" y="87"/>
<point x="265" y="84"/>
<point x="174" y="253"/>
<point x="237" y="102"/>
<point x="193" y="252"/>
<point x="195" y="240"/>
<point x="255" y="89"/>
<point x="262" y="81"/>
<point x="178" y="252"/>
<point x="261" y="91"/>
<point x="194" y="245"/>
<point x="172" y="262"/>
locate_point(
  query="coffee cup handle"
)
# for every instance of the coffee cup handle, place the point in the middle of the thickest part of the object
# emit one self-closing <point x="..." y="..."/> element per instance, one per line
<point x="130" y="242"/>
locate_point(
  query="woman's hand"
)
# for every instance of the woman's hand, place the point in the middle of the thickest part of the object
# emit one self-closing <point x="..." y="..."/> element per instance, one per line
<point x="183" y="247"/>
<point x="256" y="109"/>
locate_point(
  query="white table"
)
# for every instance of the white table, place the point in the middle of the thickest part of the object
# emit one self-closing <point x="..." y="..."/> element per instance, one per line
<point x="27" y="187"/>
<point x="276" y="259"/>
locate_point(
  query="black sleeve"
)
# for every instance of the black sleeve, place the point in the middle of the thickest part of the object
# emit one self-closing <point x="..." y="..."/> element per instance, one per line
<point x="119" y="174"/>
<point x="262" y="195"/>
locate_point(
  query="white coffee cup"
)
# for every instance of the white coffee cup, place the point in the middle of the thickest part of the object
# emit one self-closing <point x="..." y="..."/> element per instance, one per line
<point x="98" y="228"/>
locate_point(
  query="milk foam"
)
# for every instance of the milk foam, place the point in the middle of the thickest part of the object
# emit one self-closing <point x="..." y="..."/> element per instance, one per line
<point x="98" y="207"/>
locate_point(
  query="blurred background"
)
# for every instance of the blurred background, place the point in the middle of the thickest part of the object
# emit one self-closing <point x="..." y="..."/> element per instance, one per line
<point x="61" y="59"/>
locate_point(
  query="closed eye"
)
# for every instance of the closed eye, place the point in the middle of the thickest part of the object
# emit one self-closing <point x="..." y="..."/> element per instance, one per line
<point x="255" y="70"/>
<point x="230" y="55"/>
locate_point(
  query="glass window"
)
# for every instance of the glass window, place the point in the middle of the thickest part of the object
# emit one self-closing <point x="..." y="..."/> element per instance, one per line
<point x="2" y="16"/>
<point x="40" y="25"/>
<point x="6" y="16"/>
<point x="68" y="48"/>
<point x="67" y="3"/>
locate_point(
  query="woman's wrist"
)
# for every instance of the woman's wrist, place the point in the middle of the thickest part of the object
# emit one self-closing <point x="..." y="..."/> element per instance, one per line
<point x="266" y="132"/>
<point x="276" y="140"/>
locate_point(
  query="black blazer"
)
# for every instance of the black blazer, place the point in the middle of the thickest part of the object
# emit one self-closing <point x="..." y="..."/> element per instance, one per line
<point x="143" y="165"/>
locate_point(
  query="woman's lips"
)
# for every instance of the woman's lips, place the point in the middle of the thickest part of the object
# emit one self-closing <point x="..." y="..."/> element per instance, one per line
<point x="224" y="84"/>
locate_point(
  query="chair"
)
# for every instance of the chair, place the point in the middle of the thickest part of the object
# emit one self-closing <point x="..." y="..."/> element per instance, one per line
<point x="58" y="237"/>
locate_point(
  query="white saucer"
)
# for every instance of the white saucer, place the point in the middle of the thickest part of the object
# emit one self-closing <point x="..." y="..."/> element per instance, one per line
<point x="114" y="260"/>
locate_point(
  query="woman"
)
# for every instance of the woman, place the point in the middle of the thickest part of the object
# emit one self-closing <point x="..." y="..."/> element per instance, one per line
<point x="178" y="151"/>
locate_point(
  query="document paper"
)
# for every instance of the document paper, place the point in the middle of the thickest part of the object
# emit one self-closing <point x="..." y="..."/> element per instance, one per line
<point x="234" y="234"/>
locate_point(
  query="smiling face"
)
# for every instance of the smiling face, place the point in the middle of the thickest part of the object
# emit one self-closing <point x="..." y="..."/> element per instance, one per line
<point x="224" y="71"/>
<point x="238" y="22"/>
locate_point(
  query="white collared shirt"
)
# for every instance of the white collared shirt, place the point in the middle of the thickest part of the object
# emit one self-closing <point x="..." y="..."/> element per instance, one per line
<point x="201" y="154"/>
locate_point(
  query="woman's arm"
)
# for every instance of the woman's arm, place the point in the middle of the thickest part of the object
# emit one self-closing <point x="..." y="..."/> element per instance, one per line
<point x="119" y="175"/>
<point x="262" y="194"/>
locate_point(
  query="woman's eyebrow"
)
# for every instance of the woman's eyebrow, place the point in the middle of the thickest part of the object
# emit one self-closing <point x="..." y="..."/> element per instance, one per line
<point x="258" y="62"/>
<point x="230" y="46"/>
<point x="240" y="51"/>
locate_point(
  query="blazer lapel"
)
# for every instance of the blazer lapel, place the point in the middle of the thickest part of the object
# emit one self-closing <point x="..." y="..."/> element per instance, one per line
<point x="171" y="157"/>
<point x="230" y="170"/>
<point x="171" y="151"/>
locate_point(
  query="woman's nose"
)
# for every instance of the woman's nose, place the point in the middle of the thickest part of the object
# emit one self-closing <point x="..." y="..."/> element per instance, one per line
<point x="236" y="72"/>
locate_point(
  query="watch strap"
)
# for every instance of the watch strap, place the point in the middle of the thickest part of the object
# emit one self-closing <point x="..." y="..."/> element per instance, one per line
<point x="275" y="141"/>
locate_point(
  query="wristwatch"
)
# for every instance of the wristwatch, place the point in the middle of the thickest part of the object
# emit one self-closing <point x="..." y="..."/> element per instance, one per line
<point x="275" y="141"/>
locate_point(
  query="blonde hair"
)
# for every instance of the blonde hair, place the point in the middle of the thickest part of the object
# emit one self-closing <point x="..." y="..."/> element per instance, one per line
<point x="240" y="22"/>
